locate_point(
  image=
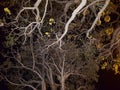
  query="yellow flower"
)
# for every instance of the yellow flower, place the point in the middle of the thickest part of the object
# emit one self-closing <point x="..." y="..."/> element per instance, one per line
<point x="103" y="13"/>
<point x="99" y="45"/>
<point x="115" y="68"/>
<point x="47" y="33"/>
<point x="98" y="22"/>
<point x="1" y="23"/>
<point x="104" y="65"/>
<point x="7" y="10"/>
<point x="107" y="18"/>
<point x="109" y="31"/>
<point x="102" y="58"/>
<point x="51" y="21"/>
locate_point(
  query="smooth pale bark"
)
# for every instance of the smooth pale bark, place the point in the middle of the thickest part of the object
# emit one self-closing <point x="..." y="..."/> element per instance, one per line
<point x="81" y="5"/>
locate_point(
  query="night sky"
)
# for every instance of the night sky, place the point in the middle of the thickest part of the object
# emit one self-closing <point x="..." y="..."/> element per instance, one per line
<point x="108" y="81"/>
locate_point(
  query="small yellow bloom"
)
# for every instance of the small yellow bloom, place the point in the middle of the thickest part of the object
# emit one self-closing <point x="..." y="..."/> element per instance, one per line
<point x="7" y="10"/>
<point x="51" y="21"/>
<point x="109" y="31"/>
<point x="102" y="58"/>
<point x="115" y="68"/>
<point x="103" y="13"/>
<point x="107" y="18"/>
<point x="104" y="65"/>
<point x="1" y="23"/>
<point x="98" y="22"/>
<point x="47" y="33"/>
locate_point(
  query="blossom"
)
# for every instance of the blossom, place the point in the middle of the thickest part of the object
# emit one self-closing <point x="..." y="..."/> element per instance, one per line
<point x="7" y="10"/>
<point x="109" y="31"/>
<point x="98" y="22"/>
<point x="51" y="21"/>
<point x="104" y="65"/>
<point x="107" y="18"/>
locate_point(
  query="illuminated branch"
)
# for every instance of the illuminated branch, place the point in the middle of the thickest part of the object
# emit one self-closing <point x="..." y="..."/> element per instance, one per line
<point x="97" y="18"/>
<point x="81" y="5"/>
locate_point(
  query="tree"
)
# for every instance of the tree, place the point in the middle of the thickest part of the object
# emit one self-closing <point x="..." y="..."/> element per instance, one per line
<point x="51" y="50"/>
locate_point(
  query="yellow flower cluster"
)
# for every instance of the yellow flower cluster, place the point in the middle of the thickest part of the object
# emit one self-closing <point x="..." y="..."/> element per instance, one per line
<point x="47" y="34"/>
<point x="106" y="14"/>
<point x="51" y="21"/>
<point x="116" y="66"/>
<point x="106" y="18"/>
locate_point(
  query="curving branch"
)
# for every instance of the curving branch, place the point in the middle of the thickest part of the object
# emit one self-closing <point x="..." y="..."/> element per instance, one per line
<point x="82" y="4"/>
<point x="97" y="18"/>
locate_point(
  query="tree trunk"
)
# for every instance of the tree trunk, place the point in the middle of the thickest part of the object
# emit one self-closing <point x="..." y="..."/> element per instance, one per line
<point x="54" y="87"/>
<point x="43" y="85"/>
<point x="63" y="84"/>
